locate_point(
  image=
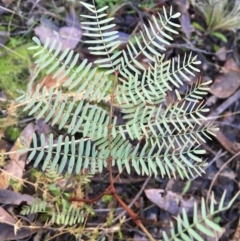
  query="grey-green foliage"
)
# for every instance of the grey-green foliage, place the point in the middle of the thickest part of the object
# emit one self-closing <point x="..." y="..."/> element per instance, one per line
<point x="219" y="15"/>
<point x="62" y="215"/>
<point x="172" y="131"/>
<point x="202" y="223"/>
<point x="157" y="136"/>
<point x="53" y="206"/>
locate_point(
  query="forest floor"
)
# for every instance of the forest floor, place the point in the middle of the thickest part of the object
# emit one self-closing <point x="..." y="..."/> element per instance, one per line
<point x="209" y="31"/>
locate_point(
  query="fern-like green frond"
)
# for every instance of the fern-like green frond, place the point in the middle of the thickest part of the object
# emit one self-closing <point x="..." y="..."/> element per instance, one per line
<point x="155" y="120"/>
<point x="134" y="122"/>
<point x="77" y="155"/>
<point x="153" y="40"/>
<point x="202" y="221"/>
<point x="154" y="136"/>
<point x="170" y="137"/>
<point x="36" y="207"/>
<point x="154" y="83"/>
<point x="166" y="161"/>
<point x="64" y="150"/>
<point x="61" y="215"/>
<point x="80" y="79"/>
<point x="103" y="38"/>
<point x="64" y="110"/>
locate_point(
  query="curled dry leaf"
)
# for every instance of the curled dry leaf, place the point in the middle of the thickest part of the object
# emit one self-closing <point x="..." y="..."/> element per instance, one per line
<point x="227" y="83"/>
<point x="170" y="201"/>
<point x="236" y="235"/>
<point x="48" y="81"/>
<point x="17" y="160"/>
<point x="5" y="217"/>
<point x="8" y="229"/>
<point x="226" y="175"/>
<point x="15" y="198"/>
<point x="72" y="19"/>
<point x="138" y="237"/>
<point x="7" y="2"/>
<point x="4" y="180"/>
<point x="222" y="53"/>
<point x="232" y="147"/>
<point x="8" y="232"/>
<point x="183" y="6"/>
<point x="68" y="37"/>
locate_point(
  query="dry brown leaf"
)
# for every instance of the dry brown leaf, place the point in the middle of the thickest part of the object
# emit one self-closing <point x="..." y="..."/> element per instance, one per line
<point x="5" y="217"/>
<point x="170" y="201"/>
<point x="226" y="175"/>
<point x="7" y="228"/>
<point x="7" y="2"/>
<point x="72" y="19"/>
<point x="69" y="37"/>
<point x="15" y="198"/>
<point x="8" y="232"/>
<point x="236" y="235"/>
<point x="17" y="162"/>
<point x="48" y="81"/>
<point x="226" y="143"/>
<point x="4" y="180"/>
<point x="227" y="83"/>
<point x="183" y="6"/>
<point x="138" y="237"/>
<point x="222" y="53"/>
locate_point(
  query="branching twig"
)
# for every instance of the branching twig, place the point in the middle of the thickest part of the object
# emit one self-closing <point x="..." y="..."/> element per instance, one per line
<point x="215" y="177"/>
<point x="134" y="200"/>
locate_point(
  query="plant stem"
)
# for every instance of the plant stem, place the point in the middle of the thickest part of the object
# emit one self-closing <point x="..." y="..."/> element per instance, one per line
<point x="146" y="232"/>
<point x="134" y="216"/>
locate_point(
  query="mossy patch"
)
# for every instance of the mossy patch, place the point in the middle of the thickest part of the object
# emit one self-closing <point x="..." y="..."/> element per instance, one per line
<point x="12" y="133"/>
<point x="15" y="64"/>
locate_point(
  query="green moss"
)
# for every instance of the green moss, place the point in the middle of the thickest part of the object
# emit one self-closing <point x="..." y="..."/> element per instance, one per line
<point x="107" y="198"/>
<point x="12" y="133"/>
<point x="15" y="64"/>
